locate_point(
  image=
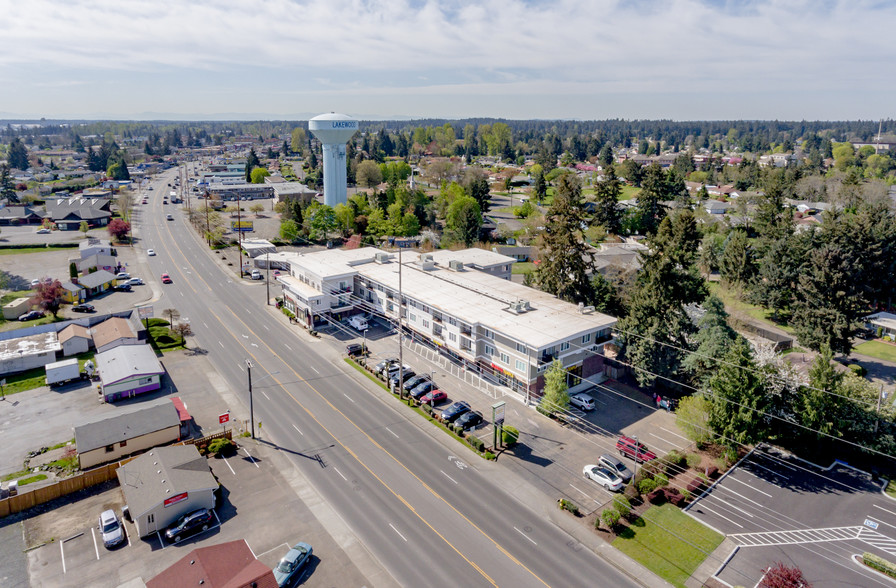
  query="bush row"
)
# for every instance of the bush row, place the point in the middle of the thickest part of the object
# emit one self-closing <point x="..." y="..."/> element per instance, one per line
<point x="879" y="564"/>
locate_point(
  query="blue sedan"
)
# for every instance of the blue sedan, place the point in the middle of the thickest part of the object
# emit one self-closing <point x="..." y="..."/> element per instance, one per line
<point x="288" y="568"/>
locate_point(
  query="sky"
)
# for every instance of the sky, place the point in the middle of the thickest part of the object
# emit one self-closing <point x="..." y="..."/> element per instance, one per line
<point x="386" y="59"/>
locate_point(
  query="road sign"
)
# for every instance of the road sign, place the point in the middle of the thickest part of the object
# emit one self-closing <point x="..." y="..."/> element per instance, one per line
<point x="223" y="418"/>
<point x="145" y="312"/>
<point x="870" y="523"/>
<point x="498" y="413"/>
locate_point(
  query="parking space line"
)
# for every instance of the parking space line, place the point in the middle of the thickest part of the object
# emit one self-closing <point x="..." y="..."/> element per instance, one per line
<point x="344" y="478"/>
<point x="585" y="494"/>
<point x="773" y="472"/>
<point x="749" y="486"/>
<point x="676" y="434"/>
<point x="737" y="508"/>
<point x="95" y="546"/>
<point x="254" y="461"/>
<point x="286" y="545"/>
<point x="228" y="465"/>
<point x="399" y="534"/>
<point x="703" y="507"/>
<point x="62" y="553"/>
<point x="449" y="477"/>
<point x="526" y="536"/>
<point x="349" y="397"/>
<point x="883" y="509"/>
<point x="265" y="394"/>
<point x="287" y="346"/>
<point x="663" y="440"/>
<point x="297" y="429"/>
<point x="159" y="535"/>
<point x="315" y="369"/>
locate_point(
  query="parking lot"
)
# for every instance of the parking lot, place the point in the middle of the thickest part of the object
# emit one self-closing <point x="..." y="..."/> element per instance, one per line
<point x="257" y="505"/>
<point x="777" y="508"/>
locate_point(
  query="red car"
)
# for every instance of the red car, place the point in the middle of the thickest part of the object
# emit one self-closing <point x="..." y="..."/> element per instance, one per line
<point x="166" y="279"/>
<point x="634" y="449"/>
<point x="434" y="397"/>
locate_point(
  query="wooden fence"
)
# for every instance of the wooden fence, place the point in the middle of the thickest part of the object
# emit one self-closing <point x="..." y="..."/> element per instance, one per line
<point x="92" y="477"/>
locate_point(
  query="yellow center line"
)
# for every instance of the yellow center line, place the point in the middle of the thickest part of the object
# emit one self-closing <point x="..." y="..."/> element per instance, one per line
<point x="369" y="438"/>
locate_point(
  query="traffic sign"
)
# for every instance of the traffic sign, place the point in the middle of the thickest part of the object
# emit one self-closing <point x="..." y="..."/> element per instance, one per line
<point x="223" y="418"/>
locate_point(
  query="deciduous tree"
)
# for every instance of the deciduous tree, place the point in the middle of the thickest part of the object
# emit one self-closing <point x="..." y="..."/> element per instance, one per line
<point x="119" y="229"/>
<point x="49" y="295"/>
<point x="464" y="219"/>
<point x="555" y="398"/>
<point x="368" y="174"/>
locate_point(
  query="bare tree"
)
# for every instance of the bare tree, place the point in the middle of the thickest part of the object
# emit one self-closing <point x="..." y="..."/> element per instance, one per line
<point x="173" y="314"/>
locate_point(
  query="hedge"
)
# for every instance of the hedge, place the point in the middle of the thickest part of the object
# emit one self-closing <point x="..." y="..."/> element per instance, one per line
<point x="510" y="435"/>
<point x="476" y="443"/>
<point x="33" y="245"/>
<point x="879" y="564"/>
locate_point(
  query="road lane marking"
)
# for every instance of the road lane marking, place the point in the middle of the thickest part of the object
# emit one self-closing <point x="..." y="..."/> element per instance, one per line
<point x="95" y="546"/>
<point x="526" y="536"/>
<point x="265" y="394"/>
<point x="390" y="430"/>
<point x="663" y="440"/>
<point x="254" y="461"/>
<point x="265" y="327"/>
<point x="349" y="397"/>
<point x="449" y="477"/>
<point x="287" y="346"/>
<point x="205" y="325"/>
<point x="221" y="344"/>
<point x="399" y="534"/>
<point x="297" y="429"/>
<point x="340" y="473"/>
<point x="315" y="369"/>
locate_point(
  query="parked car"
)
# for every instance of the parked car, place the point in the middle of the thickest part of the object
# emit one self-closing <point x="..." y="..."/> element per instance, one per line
<point x="392" y="371"/>
<point x="190" y="524"/>
<point x="43" y="231"/>
<point x="35" y="282"/>
<point x="168" y="216"/>
<point x="383" y="365"/>
<point x="450" y="414"/>
<point x="616" y="466"/>
<point x="604" y="477"/>
<point x="294" y="560"/>
<point x="401" y="377"/>
<point x="30" y="316"/>
<point x="582" y="401"/>
<point x="122" y="288"/>
<point x="469" y="420"/>
<point x="434" y="397"/>
<point x="166" y="279"/>
<point x="422" y="388"/>
<point x="256" y="275"/>
<point x="134" y="282"/>
<point x="634" y="450"/>
<point x="354" y="349"/>
<point x="83" y="307"/>
<point x="151" y="252"/>
<point x="122" y="276"/>
<point x="415" y="381"/>
<point x="110" y="529"/>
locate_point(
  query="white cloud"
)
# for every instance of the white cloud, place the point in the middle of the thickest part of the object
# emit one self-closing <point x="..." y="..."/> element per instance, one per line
<point x="457" y="47"/>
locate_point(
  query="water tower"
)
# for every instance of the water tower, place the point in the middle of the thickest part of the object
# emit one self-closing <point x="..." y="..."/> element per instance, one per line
<point x="333" y="130"/>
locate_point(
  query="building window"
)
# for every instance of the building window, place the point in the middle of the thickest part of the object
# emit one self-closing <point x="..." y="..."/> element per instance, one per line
<point x="521" y="348"/>
<point x="505" y="358"/>
<point x="452" y="337"/>
<point x="520" y="365"/>
<point x="110" y="448"/>
<point x="413" y="318"/>
<point x="564" y="346"/>
<point x="123" y="444"/>
<point x="586" y="338"/>
<point x="489" y="350"/>
<point x="151" y="518"/>
<point x="425" y="324"/>
<point x="487" y="333"/>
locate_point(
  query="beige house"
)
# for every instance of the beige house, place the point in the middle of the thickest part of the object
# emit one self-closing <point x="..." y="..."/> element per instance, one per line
<point x="74" y="339"/>
<point x="125" y="434"/>
<point x="16" y="308"/>
<point x="113" y="332"/>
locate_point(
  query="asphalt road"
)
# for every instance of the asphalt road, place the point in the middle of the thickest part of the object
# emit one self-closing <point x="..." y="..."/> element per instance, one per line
<point x="428" y="514"/>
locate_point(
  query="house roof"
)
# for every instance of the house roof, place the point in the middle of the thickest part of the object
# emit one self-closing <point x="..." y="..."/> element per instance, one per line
<point x="126" y="362"/>
<point x="18" y="212"/>
<point x="227" y="565"/>
<point x="111" y="330"/>
<point x="77" y="208"/>
<point x="29" y="345"/>
<point x="94" y="242"/>
<point x="73" y="331"/>
<point x="97" y="278"/>
<point x="161" y="473"/>
<point x="98" y="260"/>
<point x="122" y="427"/>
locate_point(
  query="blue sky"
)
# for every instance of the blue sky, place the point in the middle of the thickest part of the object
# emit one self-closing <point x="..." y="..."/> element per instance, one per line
<point x="583" y="59"/>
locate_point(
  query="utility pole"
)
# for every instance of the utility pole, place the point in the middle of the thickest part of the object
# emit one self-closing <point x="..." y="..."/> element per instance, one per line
<point x="251" y="407"/>
<point x="880" y="397"/>
<point x="400" y="331"/>
<point x="267" y="283"/>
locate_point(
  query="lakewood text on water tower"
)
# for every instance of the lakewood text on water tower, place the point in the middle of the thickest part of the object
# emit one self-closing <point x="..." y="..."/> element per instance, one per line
<point x="333" y="130"/>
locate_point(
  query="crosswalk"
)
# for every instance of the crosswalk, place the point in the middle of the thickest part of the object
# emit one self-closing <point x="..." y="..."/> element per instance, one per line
<point x="801" y="536"/>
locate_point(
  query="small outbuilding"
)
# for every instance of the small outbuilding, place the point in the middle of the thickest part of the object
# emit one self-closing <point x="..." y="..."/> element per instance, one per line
<point x="113" y="332"/>
<point x="74" y="339"/>
<point x="126" y="434"/>
<point x="16" y="308"/>
<point x="164" y="483"/>
<point x="128" y="370"/>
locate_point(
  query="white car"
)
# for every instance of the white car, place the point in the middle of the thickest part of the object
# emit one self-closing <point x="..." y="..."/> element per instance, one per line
<point x="582" y="401"/>
<point x="133" y="282"/>
<point x="151" y="252"/>
<point x="42" y="231"/>
<point x="604" y="477"/>
<point x="122" y="276"/>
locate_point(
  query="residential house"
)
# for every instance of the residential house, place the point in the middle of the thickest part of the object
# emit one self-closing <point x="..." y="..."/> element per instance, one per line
<point x="99" y="261"/>
<point x="519" y="253"/>
<point x="93" y="246"/>
<point x="74" y="292"/>
<point x="74" y="339"/>
<point x="128" y="370"/>
<point x="884" y="322"/>
<point x="716" y="207"/>
<point x="69" y="213"/>
<point x="20" y="215"/>
<point x="165" y="483"/>
<point x="97" y="282"/>
<point x="113" y="332"/>
<point x="226" y="565"/>
<point x="125" y="434"/>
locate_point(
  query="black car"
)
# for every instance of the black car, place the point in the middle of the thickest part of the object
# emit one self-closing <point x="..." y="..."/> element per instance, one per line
<point x="122" y="288"/>
<point x="468" y="420"/>
<point x="451" y="413"/>
<point x="190" y="524"/>
<point x="354" y="349"/>
<point x="401" y="378"/>
<point x="415" y="381"/>
<point x="83" y="308"/>
<point x="30" y="316"/>
<point x="423" y="388"/>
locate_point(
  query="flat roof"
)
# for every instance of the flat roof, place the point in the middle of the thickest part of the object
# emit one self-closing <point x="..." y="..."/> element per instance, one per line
<point x="299" y="286"/>
<point x="472" y="256"/>
<point x="29" y="345"/>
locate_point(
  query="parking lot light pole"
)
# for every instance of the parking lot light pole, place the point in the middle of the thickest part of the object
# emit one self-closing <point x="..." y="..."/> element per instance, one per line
<point x="364" y="345"/>
<point x="637" y="453"/>
<point x="251" y="407"/>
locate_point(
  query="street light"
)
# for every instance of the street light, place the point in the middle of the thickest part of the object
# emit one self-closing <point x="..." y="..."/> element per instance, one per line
<point x="251" y="404"/>
<point x="364" y="346"/>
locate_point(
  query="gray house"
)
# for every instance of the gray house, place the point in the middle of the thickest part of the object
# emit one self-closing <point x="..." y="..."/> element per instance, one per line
<point x="125" y="434"/>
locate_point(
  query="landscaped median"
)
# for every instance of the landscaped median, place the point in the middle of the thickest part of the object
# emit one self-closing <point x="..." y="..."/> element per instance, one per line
<point x="473" y="442"/>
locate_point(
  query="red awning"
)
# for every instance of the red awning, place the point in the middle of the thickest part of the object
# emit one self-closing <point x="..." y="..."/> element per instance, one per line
<point x="181" y="409"/>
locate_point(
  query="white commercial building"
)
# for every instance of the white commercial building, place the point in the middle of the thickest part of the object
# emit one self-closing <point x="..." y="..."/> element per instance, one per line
<point x="475" y="317"/>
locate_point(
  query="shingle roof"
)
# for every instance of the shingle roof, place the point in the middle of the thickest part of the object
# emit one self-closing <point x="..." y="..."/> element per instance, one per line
<point x="122" y="427"/>
<point x="95" y="279"/>
<point x="126" y="362"/>
<point x="161" y="473"/>
<point x="111" y="330"/>
<point x="228" y="565"/>
<point x="73" y="331"/>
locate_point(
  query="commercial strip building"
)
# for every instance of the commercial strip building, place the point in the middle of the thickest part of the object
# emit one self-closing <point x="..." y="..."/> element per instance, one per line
<point x="460" y="302"/>
<point x="128" y="370"/>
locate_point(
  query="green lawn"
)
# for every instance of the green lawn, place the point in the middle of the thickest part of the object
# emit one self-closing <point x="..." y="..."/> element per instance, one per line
<point x="734" y="304"/>
<point x="668" y="542"/>
<point x="628" y="192"/>
<point x="878" y="349"/>
<point x="522" y="267"/>
<point x="891" y="489"/>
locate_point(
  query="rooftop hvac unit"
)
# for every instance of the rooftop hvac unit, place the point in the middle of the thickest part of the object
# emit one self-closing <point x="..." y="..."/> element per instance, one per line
<point x="455" y="265"/>
<point x="381" y="257"/>
<point x="426" y="262"/>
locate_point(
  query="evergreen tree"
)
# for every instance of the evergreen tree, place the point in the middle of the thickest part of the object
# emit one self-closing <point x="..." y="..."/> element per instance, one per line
<point x="7" y="188"/>
<point x="737" y="265"/>
<point x="294" y="211"/>
<point x="714" y="339"/>
<point x="17" y="155"/>
<point x="650" y="208"/>
<point x="566" y="260"/>
<point x="541" y="187"/>
<point x="464" y="220"/>
<point x="604" y="297"/>
<point x="251" y="163"/>
<point x="478" y="189"/>
<point x="738" y="400"/>
<point x="606" y="197"/>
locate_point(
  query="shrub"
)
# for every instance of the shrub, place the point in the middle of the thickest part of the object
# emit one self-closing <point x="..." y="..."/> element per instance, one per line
<point x="661" y="480"/>
<point x="712" y="472"/>
<point x="510" y="436"/>
<point x="879" y="563"/>
<point x="646" y="486"/>
<point x="458" y="430"/>
<point x="476" y="443"/>
<point x="674" y="462"/>
<point x="220" y="445"/>
<point x="652" y="468"/>
<point x="656" y="497"/>
<point x="857" y="370"/>
<point x="569" y="505"/>
<point x="427" y="409"/>
<point x="694" y="460"/>
<point x="631" y="493"/>
<point x="675" y="499"/>
<point x="686" y="494"/>
<point x="730" y="456"/>
<point x="610" y="518"/>
<point x="489" y="455"/>
<point x="695" y="485"/>
<point x="622" y="505"/>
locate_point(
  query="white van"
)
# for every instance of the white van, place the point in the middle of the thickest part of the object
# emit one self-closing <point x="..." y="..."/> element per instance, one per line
<point x="358" y="322"/>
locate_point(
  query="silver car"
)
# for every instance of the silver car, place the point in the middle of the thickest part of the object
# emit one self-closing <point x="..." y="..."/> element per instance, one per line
<point x="582" y="401"/>
<point x="604" y="477"/>
<point x="616" y="466"/>
<point x="111" y="529"/>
